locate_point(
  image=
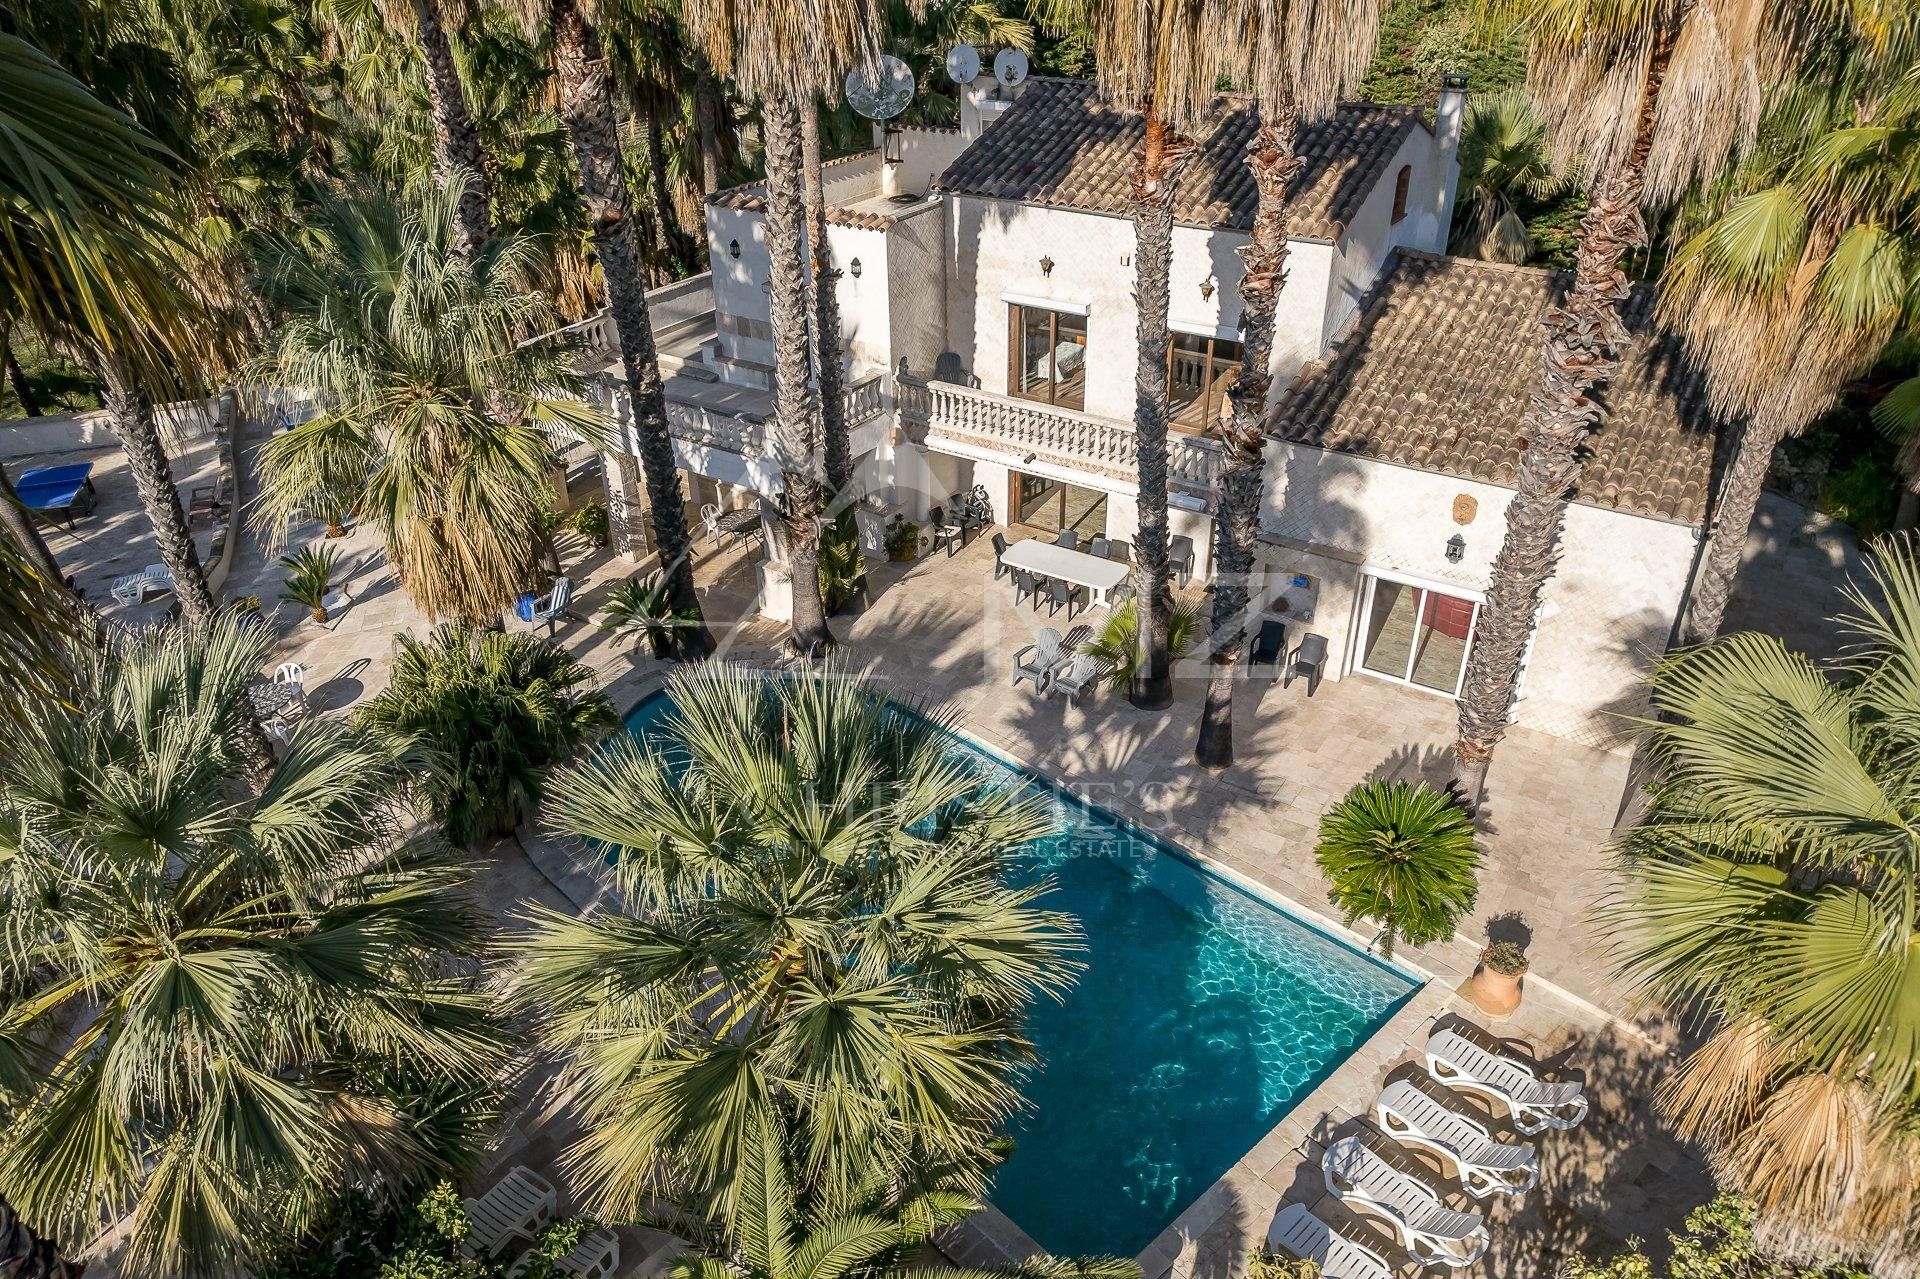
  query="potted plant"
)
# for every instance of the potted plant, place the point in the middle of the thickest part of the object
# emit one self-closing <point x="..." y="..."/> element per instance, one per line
<point x="310" y="578"/>
<point x="1496" y="985"/>
<point x="640" y="608"/>
<point x="903" y="540"/>
<point x="1403" y="855"/>
<point x="591" y="522"/>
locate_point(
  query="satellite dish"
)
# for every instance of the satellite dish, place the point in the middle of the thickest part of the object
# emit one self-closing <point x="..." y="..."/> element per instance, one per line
<point x="884" y="93"/>
<point x="1010" y="67"/>
<point x="963" y="64"/>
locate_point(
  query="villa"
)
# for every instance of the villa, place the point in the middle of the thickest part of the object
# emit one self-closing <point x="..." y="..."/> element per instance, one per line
<point x="985" y="288"/>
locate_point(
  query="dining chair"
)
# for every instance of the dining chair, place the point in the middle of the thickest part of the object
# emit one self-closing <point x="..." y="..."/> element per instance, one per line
<point x="710" y="517"/>
<point x="1061" y="593"/>
<point x="999" y="552"/>
<point x="1098" y="546"/>
<point x="1120" y="552"/>
<point x="1068" y="538"/>
<point x="1024" y="587"/>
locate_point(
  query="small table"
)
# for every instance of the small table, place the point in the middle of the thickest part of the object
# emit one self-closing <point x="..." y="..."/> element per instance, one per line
<point x="741" y="522"/>
<point x="271" y="698"/>
<point x="1091" y="571"/>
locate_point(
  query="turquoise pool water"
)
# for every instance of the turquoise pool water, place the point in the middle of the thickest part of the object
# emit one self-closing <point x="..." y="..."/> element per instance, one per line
<point x="1203" y="1016"/>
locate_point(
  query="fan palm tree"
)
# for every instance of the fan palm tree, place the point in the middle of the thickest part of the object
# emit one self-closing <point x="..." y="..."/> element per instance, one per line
<point x="769" y="1232"/>
<point x="494" y="713"/>
<point x="212" y="995"/>
<point x="1808" y="267"/>
<point x="784" y="55"/>
<point x="587" y="113"/>
<point x="432" y="405"/>
<point x="1403" y="855"/>
<point x="1652" y="98"/>
<point x="1294" y="59"/>
<point x="1768" y="897"/>
<point x="820" y="927"/>
<point x="1503" y="153"/>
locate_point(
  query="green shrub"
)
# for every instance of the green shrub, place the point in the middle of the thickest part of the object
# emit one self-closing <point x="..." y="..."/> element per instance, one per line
<point x="310" y="578"/>
<point x="592" y="522"/>
<point x="903" y="539"/>
<point x="1862" y="492"/>
<point x="1505" y="957"/>
<point x="1718" y="1243"/>
<point x="1116" y="644"/>
<point x="641" y="608"/>
<point x="1402" y="855"/>
<point x="841" y="572"/>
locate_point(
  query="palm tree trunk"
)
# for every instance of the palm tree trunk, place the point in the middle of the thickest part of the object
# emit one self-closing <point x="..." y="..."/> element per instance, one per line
<point x="1726" y="543"/>
<point x="456" y="142"/>
<point x="27" y="1255"/>
<point x="17" y="376"/>
<point x="792" y="396"/>
<point x="673" y="236"/>
<point x="1155" y="177"/>
<point x="1273" y="164"/>
<point x="837" y="455"/>
<point x="24" y="532"/>
<point x="588" y="116"/>
<point x="1584" y="338"/>
<point x="132" y="415"/>
<point x="707" y="107"/>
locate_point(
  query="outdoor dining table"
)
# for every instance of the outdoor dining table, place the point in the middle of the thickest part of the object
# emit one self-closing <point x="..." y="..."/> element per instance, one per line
<point x="742" y="522"/>
<point x="1097" y="574"/>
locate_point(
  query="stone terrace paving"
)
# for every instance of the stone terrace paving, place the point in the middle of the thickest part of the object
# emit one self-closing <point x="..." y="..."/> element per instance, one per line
<point x="941" y="630"/>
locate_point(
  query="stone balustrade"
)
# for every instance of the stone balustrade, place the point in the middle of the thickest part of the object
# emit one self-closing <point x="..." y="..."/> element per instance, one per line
<point x="706" y="426"/>
<point x="1062" y="436"/>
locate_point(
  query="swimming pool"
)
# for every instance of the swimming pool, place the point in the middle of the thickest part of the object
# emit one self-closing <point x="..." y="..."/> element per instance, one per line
<point x="1203" y="1016"/>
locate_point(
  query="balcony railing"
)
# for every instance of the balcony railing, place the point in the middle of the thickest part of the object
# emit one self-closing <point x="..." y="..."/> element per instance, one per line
<point x="1061" y="436"/>
<point x="736" y="431"/>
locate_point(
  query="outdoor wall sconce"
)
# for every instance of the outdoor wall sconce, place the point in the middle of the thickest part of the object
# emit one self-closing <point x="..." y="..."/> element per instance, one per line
<point x="733" y="249"/>
<point x="1456" y="549"/>
<point x="1206" y="289"/>
<point x="1046" y="266"/>
<point x="854" y="266"/>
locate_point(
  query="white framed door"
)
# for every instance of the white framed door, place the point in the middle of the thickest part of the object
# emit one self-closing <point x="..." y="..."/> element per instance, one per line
<point x="1416" y="633"/>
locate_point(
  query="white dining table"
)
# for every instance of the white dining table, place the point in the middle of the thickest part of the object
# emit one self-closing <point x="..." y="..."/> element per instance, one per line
<point x="1098" y="575"/>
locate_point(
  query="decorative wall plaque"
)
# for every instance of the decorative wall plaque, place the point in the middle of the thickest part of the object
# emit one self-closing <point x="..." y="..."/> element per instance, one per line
<point x="1464" y="509"/>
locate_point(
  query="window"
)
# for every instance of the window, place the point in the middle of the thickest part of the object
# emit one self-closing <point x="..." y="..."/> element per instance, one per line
<point x="1400" y="184"/>
<point x="1199" y="371"/>
<point x="1048" y="352"/>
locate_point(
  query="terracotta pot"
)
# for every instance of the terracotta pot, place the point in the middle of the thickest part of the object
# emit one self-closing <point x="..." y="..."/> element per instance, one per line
<point x="319" y="614"/>
<point x="1495" y="993"/>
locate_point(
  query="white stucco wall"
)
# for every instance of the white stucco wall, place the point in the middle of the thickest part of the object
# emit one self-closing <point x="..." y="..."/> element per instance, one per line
<point x="1372" y="234"/>
<point x="1606" y="614"/>
<point x="736" y="282"/>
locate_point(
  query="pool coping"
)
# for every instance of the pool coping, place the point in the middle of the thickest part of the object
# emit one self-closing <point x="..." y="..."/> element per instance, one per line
<point x="990" y="1237"/>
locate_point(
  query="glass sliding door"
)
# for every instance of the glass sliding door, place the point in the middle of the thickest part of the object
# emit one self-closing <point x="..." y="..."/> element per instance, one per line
<point x="1417" y="635"/>
<point x="1199" y="371"/>
<point x="1049" y="356"/>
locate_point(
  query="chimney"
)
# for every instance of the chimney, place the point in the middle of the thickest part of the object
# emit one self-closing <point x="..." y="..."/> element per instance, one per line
<point x="982" y="102"/>
<point x="1448" y="117"/>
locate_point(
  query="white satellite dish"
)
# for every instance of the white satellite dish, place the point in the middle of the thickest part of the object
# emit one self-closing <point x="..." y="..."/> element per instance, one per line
<point x="963" y="64"/>
<point x="884" y="93"/>
<point x="1009" y="67"/>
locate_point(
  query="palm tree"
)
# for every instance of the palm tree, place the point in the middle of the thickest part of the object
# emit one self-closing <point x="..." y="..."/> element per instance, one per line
<point x="1333" y="55"/>
<point x="587" y="112"/>
<point x="819" y="926"/>
<point x="25" y="1254"/>
<point x="1808" y="267"/>
<point x="1403" y="855"/>
<point x="784" y="54"/>
<point x="495" y="713"/>
<point x="432" y="404"/>
<point x="1767" y="897"/>
<point x="769" y="1232"/>
<point x="1503" y="153"/>
<point x="835" y="449"/>
<point x="214" y="998"/>
<point x="1652" y="98"/>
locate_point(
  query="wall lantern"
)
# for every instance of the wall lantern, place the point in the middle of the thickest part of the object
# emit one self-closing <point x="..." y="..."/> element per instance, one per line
<point x="1046" y="266"/>
<point x="733" y="249"/>
<point x="1456" y="549"/>
<point x="854" y="266"/>
<point x="1206" y="289"/>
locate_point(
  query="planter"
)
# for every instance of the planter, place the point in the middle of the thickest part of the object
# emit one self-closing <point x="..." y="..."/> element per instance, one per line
<point x="903" y="556"/>
<point x="1495" y="993"/>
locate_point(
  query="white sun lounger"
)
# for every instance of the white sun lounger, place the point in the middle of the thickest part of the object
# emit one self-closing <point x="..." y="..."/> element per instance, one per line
<point x="1534" y="1104"/>
<point x="133" y="588"/>
<point x="516" y="1208"/>
<point x="1485" y="1166"/>
<point x="1434" y="1233"/>
<point x="596" y="1256"/>
<point x="1299" y="1232"/>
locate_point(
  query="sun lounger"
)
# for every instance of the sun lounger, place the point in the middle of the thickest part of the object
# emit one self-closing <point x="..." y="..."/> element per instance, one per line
<point x="516" y="1208"/>
<point x="1485" y="1166"/>
<point x="1299" y="1232"/>
<point x="1534" y="1104"/>
<point x="133" y="588"/>
<point x="1037" y="660"/>
<point x="597" y="1256"/>
<point x="1435" y="1234"/>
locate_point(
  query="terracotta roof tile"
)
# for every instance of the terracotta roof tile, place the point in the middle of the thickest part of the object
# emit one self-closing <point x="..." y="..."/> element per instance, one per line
<point x="1062" y="145"/>
<point x="1438" y="368"/>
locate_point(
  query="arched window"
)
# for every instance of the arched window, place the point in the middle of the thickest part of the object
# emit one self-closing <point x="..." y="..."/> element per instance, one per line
<point x="1400" y="184"/>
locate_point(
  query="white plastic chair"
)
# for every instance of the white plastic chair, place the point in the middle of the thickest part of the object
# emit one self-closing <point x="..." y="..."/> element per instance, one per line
<point x="1534" y="1104"/>
<point x="710" y="517"/>
<point x="1485" y="1166"/>
<point x="295" y="674"/>
<point x="517" y="1207"/>
<point x="1435" y="1234"/>
<point x="1297" y="1231"/>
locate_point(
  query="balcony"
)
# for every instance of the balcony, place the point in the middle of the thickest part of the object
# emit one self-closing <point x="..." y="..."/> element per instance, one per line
<point x="734" y="419"/>
<point x="1062" y="437"/>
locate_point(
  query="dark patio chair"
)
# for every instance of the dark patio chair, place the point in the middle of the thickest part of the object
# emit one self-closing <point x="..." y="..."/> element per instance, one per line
<point x="1098" y="546"/>
<point x="1269" y="646"/>
<point x="1180" y="556"/>
<point x="950" y="533"/>
<point x="1310" y="660"/>
<point x="999" y="549"/>
<point x="1068" y="538"/>
<point x="1061" y="593"/>
<point x="1120" y="552"/>
<point x="1024" y="587"/>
